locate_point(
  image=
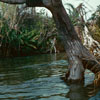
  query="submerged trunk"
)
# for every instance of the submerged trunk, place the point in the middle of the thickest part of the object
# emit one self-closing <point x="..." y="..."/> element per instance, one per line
<point x="71" y="42"/>
<point x="73" y="46"/>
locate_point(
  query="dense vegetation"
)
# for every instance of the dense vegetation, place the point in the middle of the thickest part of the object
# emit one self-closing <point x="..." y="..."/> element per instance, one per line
<point x="24" y="32"/>
<point x="95" y="21"/>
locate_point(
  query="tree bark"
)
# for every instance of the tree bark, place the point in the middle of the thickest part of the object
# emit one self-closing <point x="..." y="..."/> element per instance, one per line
<point x="75" y="50"/>
<point x="73" y="46"/>
<point x="14" y="1"/>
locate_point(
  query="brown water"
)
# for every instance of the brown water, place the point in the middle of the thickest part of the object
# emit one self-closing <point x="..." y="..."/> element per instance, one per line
<point x="39" y="78"/>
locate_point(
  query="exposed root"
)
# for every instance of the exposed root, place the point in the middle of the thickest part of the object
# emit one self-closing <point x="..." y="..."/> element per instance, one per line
<point x="97" y="80"/>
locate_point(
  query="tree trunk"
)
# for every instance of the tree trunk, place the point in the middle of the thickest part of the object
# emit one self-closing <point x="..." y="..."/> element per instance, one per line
<point x="73" y="46"/>
<point x="75" y="50"/>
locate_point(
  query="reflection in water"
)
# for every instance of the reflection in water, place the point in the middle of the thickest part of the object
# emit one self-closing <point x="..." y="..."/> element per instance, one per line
<point x="38" y="78"/>
<point x="79" y="92"/>
<point x="85" y="91"/>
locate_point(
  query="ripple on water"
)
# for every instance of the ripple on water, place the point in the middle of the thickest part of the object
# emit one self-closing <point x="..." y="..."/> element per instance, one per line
<point x="38" y="78"/>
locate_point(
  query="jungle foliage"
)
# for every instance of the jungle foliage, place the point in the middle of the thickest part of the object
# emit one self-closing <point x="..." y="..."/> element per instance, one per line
<point x="24" y="32"/>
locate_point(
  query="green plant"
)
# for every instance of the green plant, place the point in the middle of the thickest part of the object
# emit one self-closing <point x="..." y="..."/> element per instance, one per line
<point x="22" y="31"/>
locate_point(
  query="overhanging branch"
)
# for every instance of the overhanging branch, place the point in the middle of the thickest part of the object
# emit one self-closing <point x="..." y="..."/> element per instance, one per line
<point x="14" y="1"/>
<point x="34" y="3"/>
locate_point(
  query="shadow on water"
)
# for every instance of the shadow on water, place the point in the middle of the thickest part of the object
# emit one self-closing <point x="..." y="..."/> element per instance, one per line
<point x="39" y="78"/>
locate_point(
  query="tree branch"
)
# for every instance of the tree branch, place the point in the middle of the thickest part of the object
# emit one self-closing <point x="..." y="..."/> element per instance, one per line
<point x="14" y="1"/>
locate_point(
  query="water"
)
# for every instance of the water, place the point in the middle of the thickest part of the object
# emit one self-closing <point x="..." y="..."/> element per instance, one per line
<point x="39" y="78"/>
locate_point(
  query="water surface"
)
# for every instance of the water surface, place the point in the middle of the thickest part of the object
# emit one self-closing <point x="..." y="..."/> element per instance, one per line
<point x="39" y="78"/>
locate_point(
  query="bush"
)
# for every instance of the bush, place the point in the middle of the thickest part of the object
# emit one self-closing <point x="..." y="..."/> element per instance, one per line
<point x="23" y="33"/>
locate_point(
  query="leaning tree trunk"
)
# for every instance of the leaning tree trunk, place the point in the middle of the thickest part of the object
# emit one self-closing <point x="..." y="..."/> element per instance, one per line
<point x="77" y="54"/>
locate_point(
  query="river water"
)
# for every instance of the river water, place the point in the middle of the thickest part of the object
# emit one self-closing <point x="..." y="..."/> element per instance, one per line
<point x="39" y="78"/>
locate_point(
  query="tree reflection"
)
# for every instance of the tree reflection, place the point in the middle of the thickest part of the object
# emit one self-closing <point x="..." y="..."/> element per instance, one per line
<point x="78" y="91"/>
